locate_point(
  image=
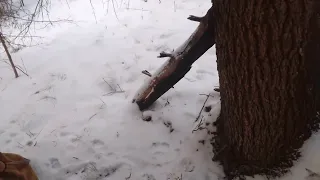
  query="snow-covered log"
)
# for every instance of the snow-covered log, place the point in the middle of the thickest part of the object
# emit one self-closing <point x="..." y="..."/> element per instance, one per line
<point x="179" y="62"/>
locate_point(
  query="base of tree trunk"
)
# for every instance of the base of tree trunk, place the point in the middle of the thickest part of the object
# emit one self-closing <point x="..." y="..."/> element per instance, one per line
<point x="268" y="65"/>
<point x="234" y="168"/>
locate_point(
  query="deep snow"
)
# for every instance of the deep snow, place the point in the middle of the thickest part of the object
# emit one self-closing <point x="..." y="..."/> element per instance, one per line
<point x="66" y="118"/>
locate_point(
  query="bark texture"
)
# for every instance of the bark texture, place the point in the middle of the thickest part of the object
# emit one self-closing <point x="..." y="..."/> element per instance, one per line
<point x="9" y="55"/>
<point x="268" y="60"/>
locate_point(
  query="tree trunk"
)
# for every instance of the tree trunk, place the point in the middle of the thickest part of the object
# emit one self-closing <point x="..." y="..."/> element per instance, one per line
<point x="269" y="70"/>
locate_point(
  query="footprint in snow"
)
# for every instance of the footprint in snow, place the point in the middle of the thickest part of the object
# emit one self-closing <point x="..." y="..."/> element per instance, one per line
<point x="159" y="149"/>
<point x="160" y="144"/>
<point x="166" y="35"/>
<point x="8" y="141"/>
<point x="148" y="177"/>
<point x="13" y="134"/>
<point x="63" y="134"/>
<point x="58" y="76"/>
<point x="54" y="163"/>
<point x="97" y="142"/>
<point x="187" y="165"/>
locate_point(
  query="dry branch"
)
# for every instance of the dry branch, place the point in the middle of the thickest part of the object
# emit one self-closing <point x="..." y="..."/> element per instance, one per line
<point x="164" y="54"/>
<point x="179" y="63"/>
<point x="145" y="72"/>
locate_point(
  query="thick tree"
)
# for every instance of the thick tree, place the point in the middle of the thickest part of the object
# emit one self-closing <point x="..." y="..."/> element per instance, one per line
<point x="268" y="57"/>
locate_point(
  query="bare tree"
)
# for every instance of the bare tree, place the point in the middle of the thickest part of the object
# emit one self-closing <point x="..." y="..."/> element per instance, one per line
<point x="14" y="15"/>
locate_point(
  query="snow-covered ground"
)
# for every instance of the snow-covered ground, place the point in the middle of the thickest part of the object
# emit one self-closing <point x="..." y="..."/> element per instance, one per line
<point x="68" y="120"/>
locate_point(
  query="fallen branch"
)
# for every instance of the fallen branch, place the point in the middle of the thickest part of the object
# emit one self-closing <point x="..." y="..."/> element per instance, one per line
<point x="179" y="63"/>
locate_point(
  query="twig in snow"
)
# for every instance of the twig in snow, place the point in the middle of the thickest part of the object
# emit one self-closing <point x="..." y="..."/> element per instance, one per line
<point x="24" y="66"/>
<point x="39" y="133"/>
<point x="92" y="116"/>
<point x="114" y="9"/>
<point x="147" y="73"/>
<point x="17" y="67"/>
<point x="93" y="11"/>
<point x="179" y="178"/>
<point x="217" y="89"/>
<point x="48" y="97"/>
<point x="312" y="174"/>
<point x="30" y="134"/>
<point x="4" y="89"/>
<point x="199" y="126"/>
<point x="113" y="90"/>
<point x="136" y="9"/>
<point x="195" y="18"/>
<point x="168" y="124"/>
<point x="108" y="84"/>
<point x="119" y="87"/>
<point x="103" y="103"/>
<point x="21" y="146"/>
<point x="68" y="3"/>
<point x="202" y="106"/>
<point x="167" y="103"/>
<point x="165" y="54"/>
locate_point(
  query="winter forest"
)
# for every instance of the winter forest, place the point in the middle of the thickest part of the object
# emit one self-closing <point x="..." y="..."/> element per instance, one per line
<point x="159" y="90"/>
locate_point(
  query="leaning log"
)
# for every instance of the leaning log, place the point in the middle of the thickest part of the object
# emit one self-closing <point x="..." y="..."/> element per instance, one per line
<point x="179" y="62"/>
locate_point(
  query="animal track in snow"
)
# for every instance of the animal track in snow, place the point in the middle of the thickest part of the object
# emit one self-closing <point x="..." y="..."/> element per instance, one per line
<point x="97" y="142"/>
<point x="58" y="76"/>
<point x="159" y="48"/>
<point x="166" y="35"/>
<point x="187" y="164"/>
<point x="89" y="171"/>
<point x="63" y="134"/>
<point x="159" y="149"/>
<point x="148" y="177"/>
<point x="47" y="88"/>
<point x="163" y="144"/>
<point x="13" y="134"/>
<point x="54" y="163"/>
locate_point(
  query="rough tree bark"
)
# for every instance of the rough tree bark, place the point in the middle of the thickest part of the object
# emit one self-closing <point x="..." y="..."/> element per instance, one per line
<point x="268" y="60"/>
